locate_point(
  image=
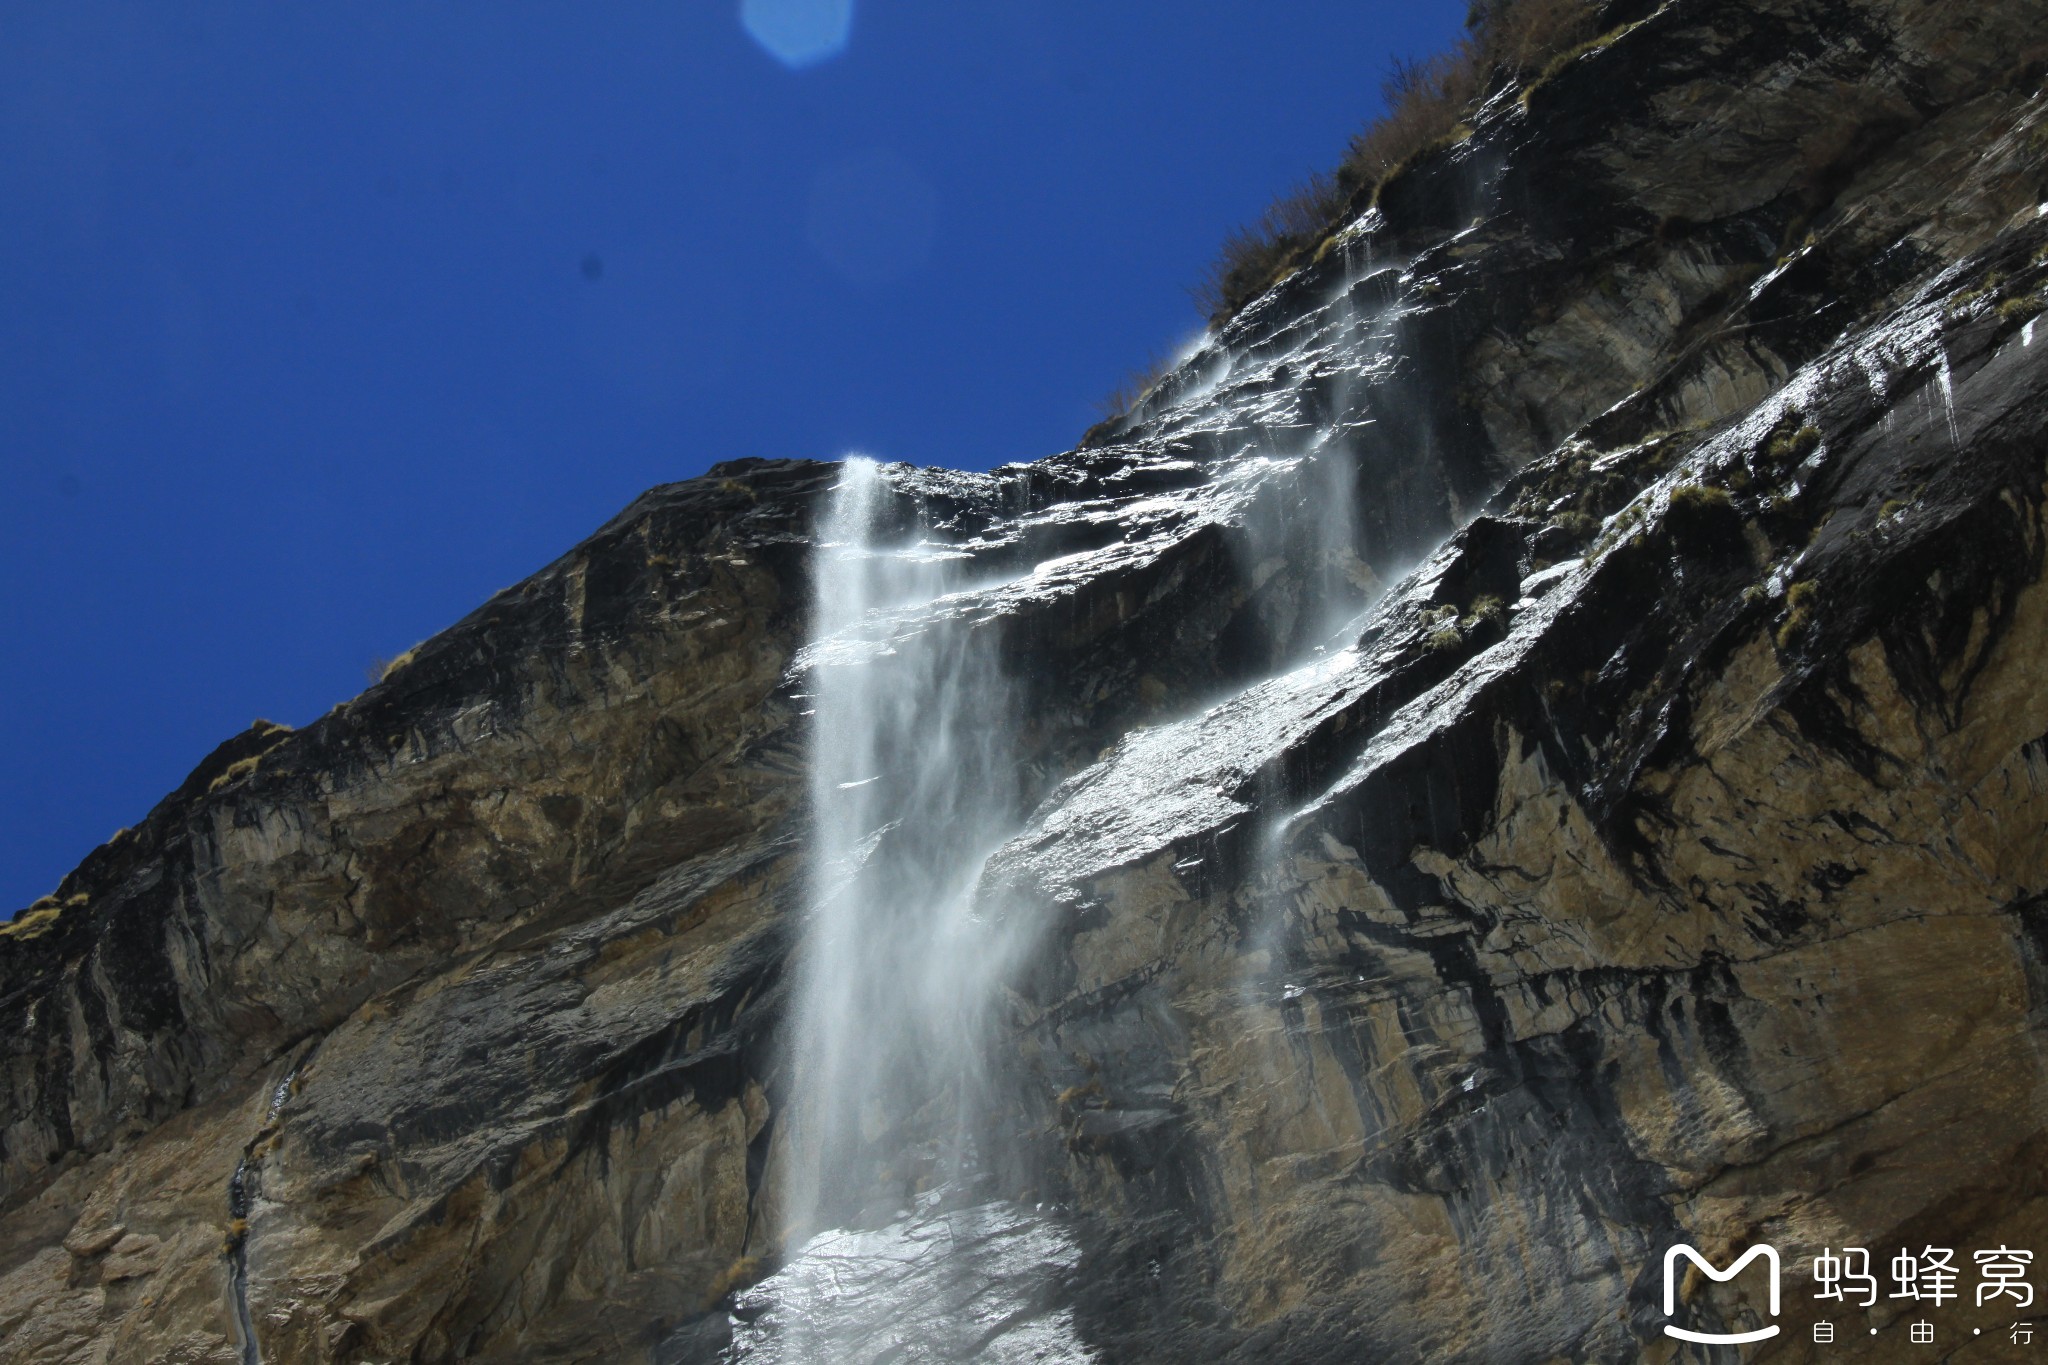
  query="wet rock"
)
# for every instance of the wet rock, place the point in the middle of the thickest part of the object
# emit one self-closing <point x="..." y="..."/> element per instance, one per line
<point x="987" y="1282"/>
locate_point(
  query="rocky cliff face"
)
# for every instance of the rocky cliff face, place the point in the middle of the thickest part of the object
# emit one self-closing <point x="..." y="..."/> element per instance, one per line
<point x="1530" y="748"/>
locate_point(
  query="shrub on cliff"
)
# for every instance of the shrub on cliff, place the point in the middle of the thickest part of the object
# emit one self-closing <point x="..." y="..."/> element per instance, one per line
<point x="1426" y="101"/>
<point x="1135" y="385"/>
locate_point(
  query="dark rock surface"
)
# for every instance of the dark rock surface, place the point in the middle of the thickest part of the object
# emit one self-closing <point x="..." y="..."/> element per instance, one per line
<point x="1658" y="858"/>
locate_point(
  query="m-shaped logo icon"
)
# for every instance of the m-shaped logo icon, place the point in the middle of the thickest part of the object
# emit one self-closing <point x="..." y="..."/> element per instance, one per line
<point x="1770" y="1255"/>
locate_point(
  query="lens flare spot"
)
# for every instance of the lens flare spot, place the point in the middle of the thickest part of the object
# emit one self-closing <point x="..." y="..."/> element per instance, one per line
<point x="799" y="33"/>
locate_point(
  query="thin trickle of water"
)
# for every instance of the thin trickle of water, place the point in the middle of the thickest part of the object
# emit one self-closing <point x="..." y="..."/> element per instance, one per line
<point x="242" y="1190"/>
<point x="238" y="1266"/>
<point x="1948" y="396"/>
<point x="1338" y="409"/>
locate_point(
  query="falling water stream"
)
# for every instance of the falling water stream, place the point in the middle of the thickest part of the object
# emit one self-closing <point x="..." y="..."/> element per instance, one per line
<point x="900" y="1253"/>
<point x="912" y="787"/>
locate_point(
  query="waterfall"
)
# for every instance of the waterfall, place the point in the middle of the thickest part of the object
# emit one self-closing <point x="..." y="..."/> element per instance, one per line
<point x="914" y="743"/>
<point x="912" y="787"/>
<point x="901" y="1244"/>
<point x="890" y="1181"/>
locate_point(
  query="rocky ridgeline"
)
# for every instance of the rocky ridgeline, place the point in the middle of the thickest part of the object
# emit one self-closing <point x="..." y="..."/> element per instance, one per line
<point x="1659" y="857"/>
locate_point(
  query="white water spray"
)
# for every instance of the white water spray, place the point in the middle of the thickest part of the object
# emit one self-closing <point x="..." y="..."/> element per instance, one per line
<point x="912" y="787"/>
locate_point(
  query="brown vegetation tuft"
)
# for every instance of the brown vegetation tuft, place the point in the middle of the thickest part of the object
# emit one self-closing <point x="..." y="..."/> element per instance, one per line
<point x="1789" y="445"/>
<point x="1700" y="499"/>
<point x="33" y="921"/>
<point x="41" y="915"/>
<point x="1134" y="386"/>
<point x="1444" y="638"/>
<point x="1801" y="604"/>
<point x="380" y="669"/>
<point x="235" y="772"/>
<point x="1485" y="608"/>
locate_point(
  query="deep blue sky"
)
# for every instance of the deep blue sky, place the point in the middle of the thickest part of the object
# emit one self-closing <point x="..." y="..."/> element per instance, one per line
<point x="320" y="323"/>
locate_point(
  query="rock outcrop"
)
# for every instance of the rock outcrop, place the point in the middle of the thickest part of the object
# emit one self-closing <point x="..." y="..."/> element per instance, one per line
<point x="1657" y="857"/>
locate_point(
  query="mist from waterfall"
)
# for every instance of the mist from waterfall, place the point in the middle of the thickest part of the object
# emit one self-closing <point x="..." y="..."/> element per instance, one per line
<point x="1336" y="417"/>
<point x="912" y="786"/>
<point x="1331" y="404"/>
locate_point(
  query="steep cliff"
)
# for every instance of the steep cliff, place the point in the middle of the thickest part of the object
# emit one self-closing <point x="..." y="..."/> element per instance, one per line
<point x="1527" y="748"/>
